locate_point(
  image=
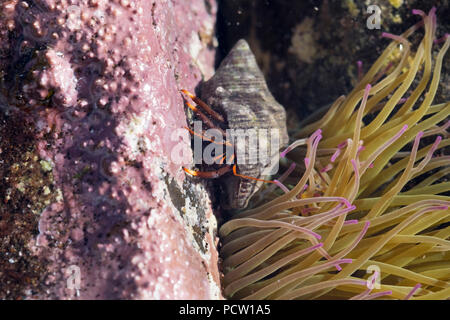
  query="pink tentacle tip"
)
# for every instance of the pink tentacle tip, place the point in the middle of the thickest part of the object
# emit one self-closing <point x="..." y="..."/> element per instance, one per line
<point x="342" y="145"/>
<point x="346" y="260"/>
<point x="347" y="203"/>
<point x="432" y="11"/>
<point x="292" y="167"/>
<point x="368" y="87"/>
<point x="418" y="12"/>
<point x="283" y="154"/>
<point x="316" y="133"/>
<point x="281" y="186"/>
<point x="413" y="290"/>
<point x="435" y="144"/>
<point x="307" y="162"/>
<point x="419" y="135"/>
<point x="319" y="137"/>
<point x="366" y="226"/>
<point x="354" y="221"/>
<point x="391" y="36"/>
<point x="327" y="168"/>
<point x="404" y="128"/>
<point x="335" y="155"/>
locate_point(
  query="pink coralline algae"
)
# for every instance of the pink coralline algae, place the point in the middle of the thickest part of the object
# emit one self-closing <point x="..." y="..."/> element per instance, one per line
<point x="99" y="82"/>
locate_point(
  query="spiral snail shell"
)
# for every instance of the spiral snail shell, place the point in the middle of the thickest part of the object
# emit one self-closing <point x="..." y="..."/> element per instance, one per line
<point x="239" y="92"/>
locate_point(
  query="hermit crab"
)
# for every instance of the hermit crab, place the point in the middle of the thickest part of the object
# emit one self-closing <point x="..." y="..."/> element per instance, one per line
<point x="248" y="122"/>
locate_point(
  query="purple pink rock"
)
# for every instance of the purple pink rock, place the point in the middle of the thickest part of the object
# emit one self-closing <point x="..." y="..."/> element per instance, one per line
<point x="100" y="81"/>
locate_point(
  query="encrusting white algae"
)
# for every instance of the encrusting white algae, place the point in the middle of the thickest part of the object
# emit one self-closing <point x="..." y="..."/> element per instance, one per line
<point x="370" y="206"/>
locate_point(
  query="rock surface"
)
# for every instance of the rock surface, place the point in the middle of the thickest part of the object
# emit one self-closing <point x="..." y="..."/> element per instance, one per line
<point x="94" y="202"/>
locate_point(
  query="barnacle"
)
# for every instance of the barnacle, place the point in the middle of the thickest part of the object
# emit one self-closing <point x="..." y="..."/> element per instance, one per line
<point x="372" y="195"/>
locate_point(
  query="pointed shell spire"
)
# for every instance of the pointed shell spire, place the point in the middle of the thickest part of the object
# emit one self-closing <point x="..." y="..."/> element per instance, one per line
<point x="239" y="91"/>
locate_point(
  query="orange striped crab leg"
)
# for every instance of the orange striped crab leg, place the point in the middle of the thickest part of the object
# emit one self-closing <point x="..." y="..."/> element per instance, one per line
<point x="250" y="178"/>
<point x="211" y="174"/>
<point x="204" y="137"/>
<point x="208" y="174"/>
<point x="219" y="172"/>
<point x="221" y="157"/>
<point x="205" y="107"/>
<point x="224" y="157"/>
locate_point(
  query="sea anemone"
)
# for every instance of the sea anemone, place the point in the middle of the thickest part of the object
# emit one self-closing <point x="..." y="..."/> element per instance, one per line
<point x="364" y="214"/>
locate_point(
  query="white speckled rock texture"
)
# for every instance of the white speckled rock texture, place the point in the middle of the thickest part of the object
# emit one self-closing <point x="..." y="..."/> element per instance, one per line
<point x="99" y="83"/>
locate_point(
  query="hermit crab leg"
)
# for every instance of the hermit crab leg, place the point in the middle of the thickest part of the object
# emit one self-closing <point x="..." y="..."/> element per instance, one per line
<point x="204" y="118"/>
<point x="205" y="107"/>
<point x="208" y="174"/>
<point x="222" y="156"/>
<point x="204" y="137"/>
<point x="251" y="178"/>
